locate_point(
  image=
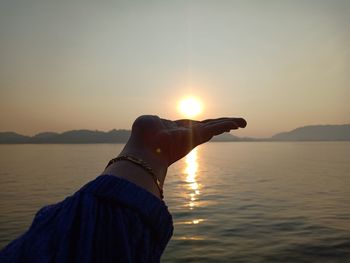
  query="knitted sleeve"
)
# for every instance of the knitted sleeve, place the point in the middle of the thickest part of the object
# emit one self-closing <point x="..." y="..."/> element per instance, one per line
<point x="107" y="220"/>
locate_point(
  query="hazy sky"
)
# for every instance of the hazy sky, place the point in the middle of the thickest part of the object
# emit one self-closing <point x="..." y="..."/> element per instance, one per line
<point x="99" y="64"/>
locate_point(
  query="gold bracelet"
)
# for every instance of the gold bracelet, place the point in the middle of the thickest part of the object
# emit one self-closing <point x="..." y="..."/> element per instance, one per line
<point x="143" y="165"/>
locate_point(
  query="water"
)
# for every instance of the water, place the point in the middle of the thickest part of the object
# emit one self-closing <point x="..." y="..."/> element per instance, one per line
<point x="231" y="202"/>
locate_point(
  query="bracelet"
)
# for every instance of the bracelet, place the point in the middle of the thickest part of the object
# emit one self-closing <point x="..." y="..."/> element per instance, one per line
<point x="143" y="165"/>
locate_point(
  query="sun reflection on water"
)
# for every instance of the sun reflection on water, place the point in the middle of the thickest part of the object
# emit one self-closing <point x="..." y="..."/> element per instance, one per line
<point x="191" y="170"/>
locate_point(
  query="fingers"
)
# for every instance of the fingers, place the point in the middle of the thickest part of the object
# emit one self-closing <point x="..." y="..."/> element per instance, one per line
<point x="186" y="123"/>
<point x="219" y="127"/>
<point x="204" y="132"/>
<point x="210" y="120"/>
<point x="241" y="123"/>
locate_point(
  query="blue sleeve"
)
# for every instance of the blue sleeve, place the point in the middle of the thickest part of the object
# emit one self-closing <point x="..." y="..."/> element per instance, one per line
<point x="107" y="220"/>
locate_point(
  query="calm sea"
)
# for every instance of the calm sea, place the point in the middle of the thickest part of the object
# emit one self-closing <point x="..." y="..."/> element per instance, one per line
<point x="231" y="202"/>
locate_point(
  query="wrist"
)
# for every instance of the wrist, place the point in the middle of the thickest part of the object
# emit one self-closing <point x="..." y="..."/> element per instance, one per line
<point x="134" y="173"/>
<point x="155" y="162"/>
<point x="140" y="167"/>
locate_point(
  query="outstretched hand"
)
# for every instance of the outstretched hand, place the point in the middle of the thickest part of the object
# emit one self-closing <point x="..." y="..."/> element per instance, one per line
<point x="167" y="141"/>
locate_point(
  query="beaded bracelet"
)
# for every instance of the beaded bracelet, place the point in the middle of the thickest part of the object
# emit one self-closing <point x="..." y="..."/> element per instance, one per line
<point x="143" y="165"/>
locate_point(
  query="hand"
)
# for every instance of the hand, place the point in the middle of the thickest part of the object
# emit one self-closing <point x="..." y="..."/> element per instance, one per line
<point x="167" y="141"/>
<point x="161" y="142"/>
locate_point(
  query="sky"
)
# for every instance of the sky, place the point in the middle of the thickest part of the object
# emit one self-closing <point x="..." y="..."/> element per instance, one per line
<point x="97" y="65"/>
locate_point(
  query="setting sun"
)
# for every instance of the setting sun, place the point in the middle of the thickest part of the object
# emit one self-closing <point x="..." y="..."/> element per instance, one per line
<point x="190" y="107"/>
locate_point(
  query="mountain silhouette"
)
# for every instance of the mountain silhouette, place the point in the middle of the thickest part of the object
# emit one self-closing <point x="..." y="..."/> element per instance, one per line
<point x="316" y="133"/>
<point x="12" y="137"/>
<point x="83" y="136"/>
<point x="74" y="136"/>
<point x="307" y="133"/>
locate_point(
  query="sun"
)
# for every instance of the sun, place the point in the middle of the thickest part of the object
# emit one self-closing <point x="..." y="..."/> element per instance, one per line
<point x="190" y="107"/>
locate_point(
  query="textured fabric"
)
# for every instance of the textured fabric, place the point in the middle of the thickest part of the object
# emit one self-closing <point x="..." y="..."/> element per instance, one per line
<point x="108" y="220"/>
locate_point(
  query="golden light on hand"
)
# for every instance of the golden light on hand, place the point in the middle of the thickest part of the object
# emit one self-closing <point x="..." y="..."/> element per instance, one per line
<point x="190" y="107"/>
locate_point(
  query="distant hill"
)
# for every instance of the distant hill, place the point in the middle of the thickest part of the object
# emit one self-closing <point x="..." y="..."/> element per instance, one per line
<point x="316" y="133"/>
<point x="307" y="133"/>
<point x="12" y="137"/>
<point x="83" y="136"/>
<point x="75" y="136"/>
<point x="225" y="137"/>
